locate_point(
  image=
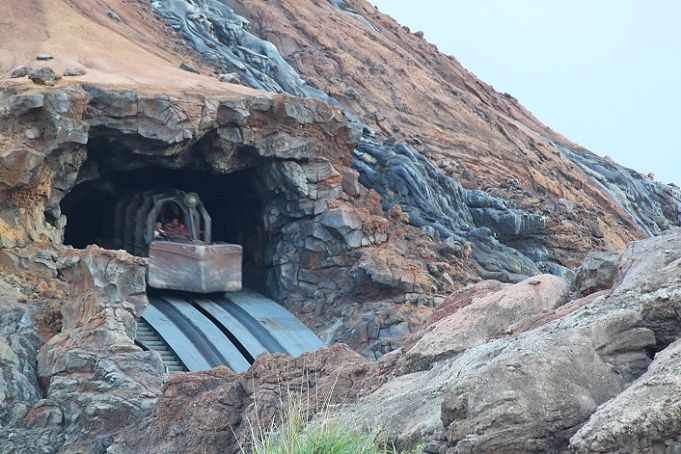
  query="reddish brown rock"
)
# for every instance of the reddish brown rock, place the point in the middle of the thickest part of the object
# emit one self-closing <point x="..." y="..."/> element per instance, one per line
<point x="217" y="410"/>
<point x="332" y="254"/>
<point x="478" y="316"/>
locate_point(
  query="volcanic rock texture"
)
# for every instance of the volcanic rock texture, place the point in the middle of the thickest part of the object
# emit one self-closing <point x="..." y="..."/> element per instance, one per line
<point x="401" y="86"/>
<point x="367" y="177"/>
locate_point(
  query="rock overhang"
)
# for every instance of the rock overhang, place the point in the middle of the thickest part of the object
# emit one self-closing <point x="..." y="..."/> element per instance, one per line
<point x="160" y="129"/>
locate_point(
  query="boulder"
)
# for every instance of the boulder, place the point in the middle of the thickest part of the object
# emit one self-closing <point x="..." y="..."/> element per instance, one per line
<point x="523" y="393"/>
<point x="74" y="71"/>
<point x="643" y="418"/>
<point x="600" y="271"/>
<point x="21" y="71"/>
<point x="484" y="318"/>
<point x="43" y="76"/>
<point x="189" y="67"/>
<point x="230" y="78"/>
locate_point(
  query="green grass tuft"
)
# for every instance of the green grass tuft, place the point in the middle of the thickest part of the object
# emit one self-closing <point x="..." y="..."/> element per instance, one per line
<point x="299" y="433"/>
<point x="303" y="430"/>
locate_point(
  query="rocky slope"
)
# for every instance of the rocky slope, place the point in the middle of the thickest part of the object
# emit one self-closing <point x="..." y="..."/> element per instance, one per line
<point x="367" y="177"/>
<point x="401" y="86"/>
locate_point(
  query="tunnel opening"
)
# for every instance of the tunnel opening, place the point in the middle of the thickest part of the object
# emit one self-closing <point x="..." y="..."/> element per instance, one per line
<point x="232" y="200"/>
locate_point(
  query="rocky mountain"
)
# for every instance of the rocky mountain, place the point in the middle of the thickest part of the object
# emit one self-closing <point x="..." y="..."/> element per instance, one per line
<point x="385" y="195"/>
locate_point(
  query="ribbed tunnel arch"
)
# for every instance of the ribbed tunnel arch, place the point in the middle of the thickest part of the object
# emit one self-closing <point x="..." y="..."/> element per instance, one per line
<point x="231" y="200"/>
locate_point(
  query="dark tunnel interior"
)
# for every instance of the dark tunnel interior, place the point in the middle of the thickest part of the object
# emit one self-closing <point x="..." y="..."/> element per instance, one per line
<point x="231" y="201"/>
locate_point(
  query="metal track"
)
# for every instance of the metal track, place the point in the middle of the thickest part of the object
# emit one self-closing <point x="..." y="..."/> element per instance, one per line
<point x="229" y="329"/>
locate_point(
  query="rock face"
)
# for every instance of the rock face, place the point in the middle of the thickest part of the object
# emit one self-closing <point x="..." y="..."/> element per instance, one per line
<point x="304" y="220"/>
<point x="18" y="350"/>
<point x="92" y="369"/>
<point x="89" y="381"/>
<point x="402" y="88"/>
<point x="643" y="418"/>
<point x="228" y="40"/>
<point x="315" y="238"/>
<point x="216" y="410"/>
<point x="483" y="319"/>
<point x="367" y="176"/>
<point x="532" y="392"/>
<point x="439" y="204"/>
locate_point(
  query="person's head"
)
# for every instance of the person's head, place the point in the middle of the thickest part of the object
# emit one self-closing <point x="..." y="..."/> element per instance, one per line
<point x="176" y="222"/>
<point x="159" y="226"/>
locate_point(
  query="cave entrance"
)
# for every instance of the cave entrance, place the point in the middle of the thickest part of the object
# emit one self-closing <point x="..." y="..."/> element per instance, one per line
<point x="232" y="201"/>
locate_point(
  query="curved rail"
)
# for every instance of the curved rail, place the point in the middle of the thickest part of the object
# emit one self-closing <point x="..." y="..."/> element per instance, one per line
<point x="229" y="329"/>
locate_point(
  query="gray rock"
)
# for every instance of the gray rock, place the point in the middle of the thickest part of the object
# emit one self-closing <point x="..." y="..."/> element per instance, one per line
<point x="532" y="392"/>
<point x="43" y="76"/>
<point x="600" y="271"/>
<point x="31" y="441"/>
<point x="74" y="71"/>
<point x="99" y="380"/>
<point x="225" y="40"/>
<point x="340" y="4"/>
<point x="32" y="133"/>
<point x="649" y="267"/>
<point x="561" y="271"/>
<point x="112" y="14"/>
<point x="643" y="418"/>
<point x="230" y="78"/>
<point x="19" y="344"/>
<point x="189" y="67"/>
<point x="485" y="319"/>
<point x="653" y="206"/>
<point x="21" y="71"/>
<point x="509" y="224"/>
<point x="526" y="393"/>
<point x="44" y="57"/>
<point x="440" y="204"/>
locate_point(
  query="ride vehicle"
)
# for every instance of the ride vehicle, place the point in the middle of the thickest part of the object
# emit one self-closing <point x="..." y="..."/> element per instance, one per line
<point x="183" y="258"/>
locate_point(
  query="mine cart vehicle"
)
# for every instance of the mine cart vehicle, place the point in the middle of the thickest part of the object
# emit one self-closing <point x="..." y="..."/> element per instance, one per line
<point x="181" y="259"/>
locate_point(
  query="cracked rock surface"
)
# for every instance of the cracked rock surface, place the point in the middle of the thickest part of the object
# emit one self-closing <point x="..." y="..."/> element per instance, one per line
<point x="402" y="208"/>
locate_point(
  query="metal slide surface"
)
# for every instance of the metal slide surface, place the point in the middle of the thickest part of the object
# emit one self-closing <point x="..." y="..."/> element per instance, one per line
<point x="229" y="329"/>
<point x="228" y="315"/>
<point x="290" y="333"/>
<point x="168" y="325"/>
<point x="213" y="343"/>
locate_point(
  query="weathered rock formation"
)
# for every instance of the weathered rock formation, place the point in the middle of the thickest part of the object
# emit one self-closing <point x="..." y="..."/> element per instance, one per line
<point x="90" y="379"/>
<point x="581" y="383"/>
<point x="481" y="318"/>
<point x="217" y="410"/>
<point x="405" y="90"/>
<point x="226" y="38"/>
<point x="367" y="176"/>
<point x="547" y="388"/>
